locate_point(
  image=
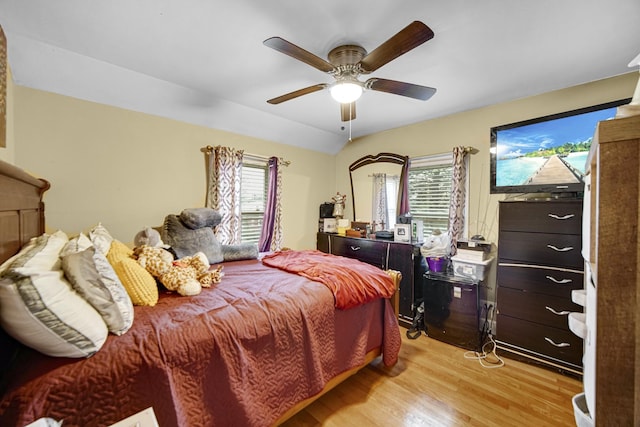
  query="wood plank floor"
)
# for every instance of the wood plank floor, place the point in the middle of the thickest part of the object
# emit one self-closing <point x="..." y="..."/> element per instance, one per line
<point x="434" y="385"/>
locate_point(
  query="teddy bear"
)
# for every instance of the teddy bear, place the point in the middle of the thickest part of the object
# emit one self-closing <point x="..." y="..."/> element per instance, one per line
<point x="186" y="276"/>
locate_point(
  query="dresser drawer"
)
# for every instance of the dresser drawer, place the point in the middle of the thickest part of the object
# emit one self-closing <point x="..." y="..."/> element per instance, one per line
<point x="369" y="251"/>
<point x="551" y="342"/>
<point x="560" y="250"/>
<point x="558" y="282"/>
<point x="539" y="308"/>
<point x="544" y="217"/>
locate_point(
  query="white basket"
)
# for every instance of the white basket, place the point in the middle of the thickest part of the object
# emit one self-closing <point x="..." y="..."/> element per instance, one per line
<point x="581" y="412"/>
<point x="476" y="270"/>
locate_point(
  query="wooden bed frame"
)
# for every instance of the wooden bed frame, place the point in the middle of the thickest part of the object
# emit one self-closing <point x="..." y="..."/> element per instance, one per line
<point x="22" y="218"/>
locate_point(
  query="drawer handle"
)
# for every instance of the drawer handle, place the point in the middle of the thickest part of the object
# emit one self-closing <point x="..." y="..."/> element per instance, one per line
<point x="557" y="249"/>
<point x="560" y="282"/>
<point x="557" y="313"/>
<point x="355" y="248"/>
<point x="561" y="218"/>
<point x="562" y="344"/>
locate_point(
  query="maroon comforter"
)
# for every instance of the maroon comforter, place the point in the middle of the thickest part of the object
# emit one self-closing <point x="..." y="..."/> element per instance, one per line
<point x="352" y="282"/>
<point x="239" y="354"/>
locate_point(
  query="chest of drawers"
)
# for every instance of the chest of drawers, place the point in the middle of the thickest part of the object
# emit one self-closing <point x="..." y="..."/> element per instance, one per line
<point x="384" y="254"/>
<point x="539" y="264"/>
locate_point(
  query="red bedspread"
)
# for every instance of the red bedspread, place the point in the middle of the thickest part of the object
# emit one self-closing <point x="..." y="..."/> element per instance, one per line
<point x="239" y="354"/>
<point x="352" y="282"/>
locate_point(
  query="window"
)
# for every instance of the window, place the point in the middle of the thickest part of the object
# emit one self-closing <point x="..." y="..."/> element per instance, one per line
<point x="253" y="199"/>
<point x="430" y="191"/>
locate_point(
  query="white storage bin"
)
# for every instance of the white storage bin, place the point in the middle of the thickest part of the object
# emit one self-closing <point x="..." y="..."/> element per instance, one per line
<point x="577" y="324"/>
<point x="476" y="270"/>
<point x="580" y="411"/>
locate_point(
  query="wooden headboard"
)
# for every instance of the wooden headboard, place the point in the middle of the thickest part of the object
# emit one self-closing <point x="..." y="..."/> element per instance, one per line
<point x="21" y="218"/>
<point x="21" y="208"/>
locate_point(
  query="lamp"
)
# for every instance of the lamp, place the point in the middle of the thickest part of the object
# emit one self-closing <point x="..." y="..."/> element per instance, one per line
<point x="346" y="91"/>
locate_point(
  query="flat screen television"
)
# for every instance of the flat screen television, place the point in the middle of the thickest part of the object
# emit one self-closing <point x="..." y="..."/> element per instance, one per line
<point x="546" y="154"/>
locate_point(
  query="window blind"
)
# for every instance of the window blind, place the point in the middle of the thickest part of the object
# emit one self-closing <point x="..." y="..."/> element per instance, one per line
<point x="253" y="196"/>
<point x="430" y="191"/>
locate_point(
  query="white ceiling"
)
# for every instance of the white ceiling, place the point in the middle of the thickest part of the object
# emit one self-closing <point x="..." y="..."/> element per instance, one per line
<point x="203" y="62"/>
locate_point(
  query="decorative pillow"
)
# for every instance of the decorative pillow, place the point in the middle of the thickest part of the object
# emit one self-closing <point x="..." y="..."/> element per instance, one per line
<point x="187" y="242"/>
<point x="239" y="252"/>
<point x="139" y="283"/>
<point x="77" y="244"/>
<point x="96" y="281"/>
<point x="101" y="238"/>
<point x="195" y="218"/>
<point x="39" y="308"/>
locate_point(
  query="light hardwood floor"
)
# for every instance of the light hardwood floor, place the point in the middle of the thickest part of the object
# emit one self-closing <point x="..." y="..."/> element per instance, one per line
<point x="434" y="385"/>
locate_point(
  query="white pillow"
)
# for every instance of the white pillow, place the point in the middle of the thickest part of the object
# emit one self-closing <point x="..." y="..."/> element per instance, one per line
<point x="77" y="244"/>
<point x="101" y="238"/>
<point x="39" y="308"/>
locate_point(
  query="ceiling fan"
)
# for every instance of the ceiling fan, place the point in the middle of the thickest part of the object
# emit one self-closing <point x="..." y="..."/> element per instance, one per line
<point x="346" y="63"/>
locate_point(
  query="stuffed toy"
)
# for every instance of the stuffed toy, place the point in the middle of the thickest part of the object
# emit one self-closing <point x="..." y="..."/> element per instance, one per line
<point x="193" y="231"/>
<point x="186" y="276"/>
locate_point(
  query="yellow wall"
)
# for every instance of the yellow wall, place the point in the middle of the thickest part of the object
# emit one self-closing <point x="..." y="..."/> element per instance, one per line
<point x="471" y="128"/>
<point x="129" y="170"/>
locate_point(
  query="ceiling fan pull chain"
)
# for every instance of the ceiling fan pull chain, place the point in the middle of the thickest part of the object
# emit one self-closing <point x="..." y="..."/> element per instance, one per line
<point x="350" y="120"/>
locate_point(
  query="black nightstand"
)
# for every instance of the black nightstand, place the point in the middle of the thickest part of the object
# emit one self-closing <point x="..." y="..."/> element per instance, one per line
<point x="451" y="309"/>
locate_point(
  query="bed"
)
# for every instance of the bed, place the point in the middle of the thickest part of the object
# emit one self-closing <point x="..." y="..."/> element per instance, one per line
<point x="252" y="350"/>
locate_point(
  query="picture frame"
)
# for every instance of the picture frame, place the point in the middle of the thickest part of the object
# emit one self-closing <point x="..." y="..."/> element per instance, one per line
<point x="3" y="88"/>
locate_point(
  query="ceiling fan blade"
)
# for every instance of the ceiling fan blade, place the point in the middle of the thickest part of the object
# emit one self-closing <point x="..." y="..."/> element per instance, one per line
<point x="413" y="35"/>
<point x="288" y="48"/>
<point x="400" y="88"/>
<point x="348" y="111"/>
<point x="297" y="93"/>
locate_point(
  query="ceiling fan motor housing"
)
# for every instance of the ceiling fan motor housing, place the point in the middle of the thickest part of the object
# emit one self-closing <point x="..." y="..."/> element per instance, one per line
<point x="346" y="59"/>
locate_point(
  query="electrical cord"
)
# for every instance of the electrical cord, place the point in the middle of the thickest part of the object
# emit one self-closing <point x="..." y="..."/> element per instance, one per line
<point x="487" y="357"/>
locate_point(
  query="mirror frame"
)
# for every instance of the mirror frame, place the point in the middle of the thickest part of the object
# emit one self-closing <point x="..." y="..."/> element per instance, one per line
<point x="378" y="158"/>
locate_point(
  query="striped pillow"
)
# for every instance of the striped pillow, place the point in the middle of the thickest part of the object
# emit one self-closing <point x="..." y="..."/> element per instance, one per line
<point x="39" y="308"/>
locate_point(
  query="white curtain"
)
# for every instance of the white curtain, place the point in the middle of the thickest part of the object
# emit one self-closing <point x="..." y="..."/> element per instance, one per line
<point x="223" y="191"/>
<point x="380" y="213"/>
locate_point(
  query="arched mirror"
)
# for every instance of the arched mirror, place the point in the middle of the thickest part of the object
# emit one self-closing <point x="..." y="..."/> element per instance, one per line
<point x="361" y="175"/>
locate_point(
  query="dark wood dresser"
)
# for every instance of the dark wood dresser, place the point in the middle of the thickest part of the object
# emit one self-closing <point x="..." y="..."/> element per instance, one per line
<point x="539" y="264"/>
<point x="384" y="254"/>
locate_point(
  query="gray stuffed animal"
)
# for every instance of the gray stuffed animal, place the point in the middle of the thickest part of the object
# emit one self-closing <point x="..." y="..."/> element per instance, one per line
<point x="192" y="232"/>
<point x="149" y="237"/>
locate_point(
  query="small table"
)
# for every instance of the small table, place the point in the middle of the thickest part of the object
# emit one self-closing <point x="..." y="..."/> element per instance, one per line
<point x="451" y="309"/>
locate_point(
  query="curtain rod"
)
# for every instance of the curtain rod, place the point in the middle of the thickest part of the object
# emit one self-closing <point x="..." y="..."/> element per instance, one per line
<point x="209" y="149"/>
<point x="470" y="149"/>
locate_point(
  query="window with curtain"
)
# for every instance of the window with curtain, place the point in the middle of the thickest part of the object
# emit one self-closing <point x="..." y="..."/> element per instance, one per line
<point x="430" y="191"/>
<point x="253" y="199"/>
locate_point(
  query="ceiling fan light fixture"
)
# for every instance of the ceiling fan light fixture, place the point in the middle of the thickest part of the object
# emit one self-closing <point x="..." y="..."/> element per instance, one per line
<point x="346" y="92"/>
